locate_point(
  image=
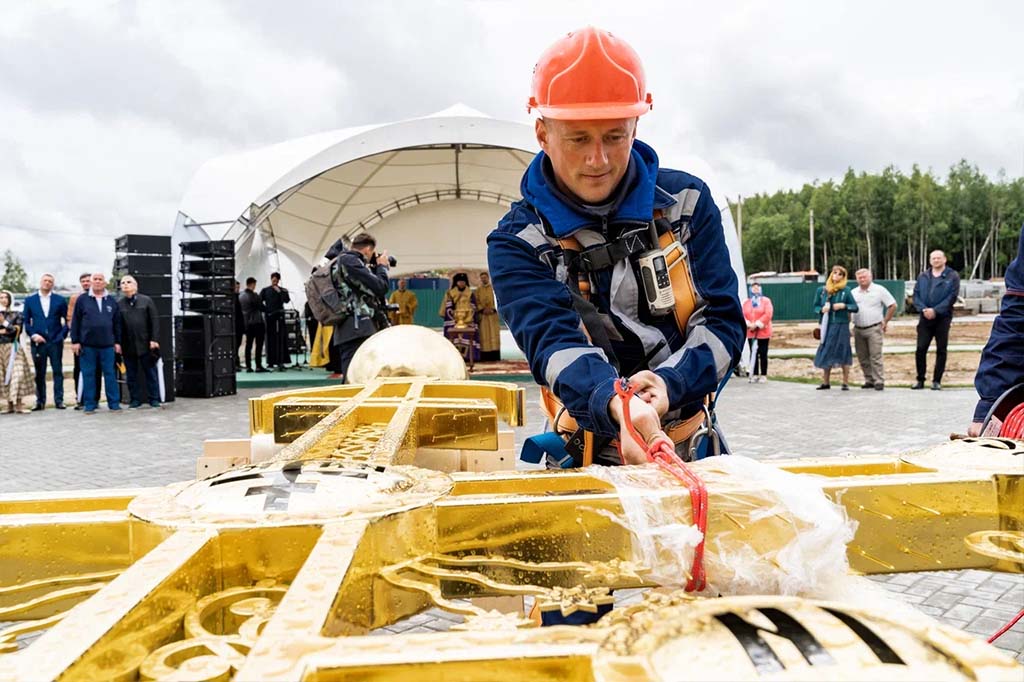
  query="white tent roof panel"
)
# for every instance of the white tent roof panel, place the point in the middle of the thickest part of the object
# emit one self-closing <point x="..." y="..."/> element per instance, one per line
<point x="413" y="182"/>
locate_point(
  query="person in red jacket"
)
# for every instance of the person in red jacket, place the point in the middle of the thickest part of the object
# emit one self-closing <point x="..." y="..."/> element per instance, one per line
<point x="758" y="311"/>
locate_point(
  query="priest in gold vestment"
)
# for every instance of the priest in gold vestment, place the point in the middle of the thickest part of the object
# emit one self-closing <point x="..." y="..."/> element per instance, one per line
<point x="459" y="312"/>
<point x="406" y="302"/>
<point x="490" y="328"/>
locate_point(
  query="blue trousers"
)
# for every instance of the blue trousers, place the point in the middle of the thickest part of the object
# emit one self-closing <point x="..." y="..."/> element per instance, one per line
<point x="41" y="354"/>
<point x="104" y="358"/>
<point x="131" y="367"/>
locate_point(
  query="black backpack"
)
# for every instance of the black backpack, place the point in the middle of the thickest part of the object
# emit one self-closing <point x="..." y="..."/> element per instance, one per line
<point x="334" y="297"/>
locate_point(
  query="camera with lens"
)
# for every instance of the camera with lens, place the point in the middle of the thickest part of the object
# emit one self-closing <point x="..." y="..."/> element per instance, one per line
<point x="392" y="261"/>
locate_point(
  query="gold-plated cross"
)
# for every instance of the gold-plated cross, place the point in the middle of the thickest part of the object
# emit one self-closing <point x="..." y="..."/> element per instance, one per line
<point x="282" y="570"/>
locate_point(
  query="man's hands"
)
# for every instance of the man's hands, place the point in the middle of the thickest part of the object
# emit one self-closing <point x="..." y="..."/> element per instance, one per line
<point x="974" y="430"/>
<point x="645" y="420"/>
<point x="651" y="389"/>
<point x="153" y="345"/>
<point x="38" y="338"/>
<point x="929" y="313"/>
<point x="76" y="348"/>
<point x="648" y="404"/>
<point x="117" y="348"/>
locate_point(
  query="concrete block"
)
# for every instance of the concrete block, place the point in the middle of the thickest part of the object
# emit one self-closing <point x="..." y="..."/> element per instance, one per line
<point x="483" y="460"/>
<point x="226" y="447"/>
<point x="506" y="439"/>
<point x="438" y="459"/>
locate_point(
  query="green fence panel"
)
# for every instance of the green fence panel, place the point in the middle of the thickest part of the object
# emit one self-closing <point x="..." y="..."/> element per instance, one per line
<point x="795" y="301"/>
<point x="429" y="303"/>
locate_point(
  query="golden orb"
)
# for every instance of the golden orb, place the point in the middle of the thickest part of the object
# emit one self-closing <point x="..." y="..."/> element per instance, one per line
<point x="406" y="350"/>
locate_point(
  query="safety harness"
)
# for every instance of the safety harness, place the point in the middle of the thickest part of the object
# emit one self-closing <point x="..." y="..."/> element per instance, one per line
<point x="567" y="445"/>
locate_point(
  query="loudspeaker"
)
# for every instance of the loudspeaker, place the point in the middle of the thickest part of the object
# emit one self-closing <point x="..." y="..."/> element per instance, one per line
<point x="203" y="385"/>
<point x="143" y="243"/>
<point x="219" y="267"/>
<point x="210" y="325"/>
<point x="213" y="249"/>
<point x="142" y="265"/>
<point x="208" y="285"/>
<point x="204" y="337"/>
<point x="151" y="285"/>
<point x="210" y="305"/>
<point x="195" y="345"/>
<point x="164" y="305"/>
<point x="296" y="343"/>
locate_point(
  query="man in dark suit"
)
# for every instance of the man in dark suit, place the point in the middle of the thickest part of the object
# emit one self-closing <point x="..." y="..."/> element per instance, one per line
<point x="274" y="297"/>
<point x="46" y="316"/>
<point x="140" y="328"/>
<point x="934" y="295"/>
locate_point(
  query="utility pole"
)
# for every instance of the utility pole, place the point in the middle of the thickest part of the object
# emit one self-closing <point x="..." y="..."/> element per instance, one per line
<point x="739" y="219"/>
<point x="812" y="238"/>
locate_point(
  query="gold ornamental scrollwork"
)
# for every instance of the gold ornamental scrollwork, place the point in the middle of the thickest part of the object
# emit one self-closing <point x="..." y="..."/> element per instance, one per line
<point x="219" y="631"/>
<point x="289" y="569"/>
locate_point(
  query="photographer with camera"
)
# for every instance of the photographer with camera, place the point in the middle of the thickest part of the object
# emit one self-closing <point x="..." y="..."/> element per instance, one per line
<point x="363" y="272"/>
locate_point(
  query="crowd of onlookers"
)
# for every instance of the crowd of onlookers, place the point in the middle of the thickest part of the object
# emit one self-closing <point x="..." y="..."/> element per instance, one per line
<point x="869" y="307"/>
<point x="107" y="334"/>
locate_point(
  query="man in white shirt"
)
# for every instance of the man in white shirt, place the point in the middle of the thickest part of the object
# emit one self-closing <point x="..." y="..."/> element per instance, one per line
<point x="875" y="307"/>
<point x="46" y="316"/>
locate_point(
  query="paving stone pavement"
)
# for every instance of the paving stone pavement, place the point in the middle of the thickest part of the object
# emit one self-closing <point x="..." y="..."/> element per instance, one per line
<point x="56" y="450"/>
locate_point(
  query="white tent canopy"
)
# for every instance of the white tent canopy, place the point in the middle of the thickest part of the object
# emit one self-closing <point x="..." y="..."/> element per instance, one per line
<point x="429" y="189"/>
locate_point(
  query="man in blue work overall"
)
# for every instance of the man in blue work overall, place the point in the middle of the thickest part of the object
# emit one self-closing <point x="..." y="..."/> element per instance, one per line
<point x="566" y="260"/>
<point x="1000" y="376"/>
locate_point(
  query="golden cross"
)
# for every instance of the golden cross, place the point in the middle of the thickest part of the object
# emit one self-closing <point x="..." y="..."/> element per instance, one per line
<point x="281" y="570"/>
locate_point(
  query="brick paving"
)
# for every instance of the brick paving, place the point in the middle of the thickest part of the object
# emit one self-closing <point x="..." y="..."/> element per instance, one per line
<point x="66" y="450"/>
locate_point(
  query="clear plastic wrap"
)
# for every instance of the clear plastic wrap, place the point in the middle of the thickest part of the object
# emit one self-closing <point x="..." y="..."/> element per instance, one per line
<point x="769" y="531"/>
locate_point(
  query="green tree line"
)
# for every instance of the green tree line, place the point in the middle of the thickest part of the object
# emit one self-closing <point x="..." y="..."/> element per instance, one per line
<point x="888" y="222"/>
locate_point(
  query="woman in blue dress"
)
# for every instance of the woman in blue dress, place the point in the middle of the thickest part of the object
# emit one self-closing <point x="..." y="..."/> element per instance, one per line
<point x="834" y="303"/>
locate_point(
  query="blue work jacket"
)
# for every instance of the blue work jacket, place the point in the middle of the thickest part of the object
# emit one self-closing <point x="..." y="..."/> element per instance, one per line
<point x="533" y="288"/>
<point x="1002" y="361"/>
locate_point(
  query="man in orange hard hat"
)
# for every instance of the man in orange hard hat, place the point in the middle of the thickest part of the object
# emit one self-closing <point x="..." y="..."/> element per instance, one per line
<point x="611" y="266"/>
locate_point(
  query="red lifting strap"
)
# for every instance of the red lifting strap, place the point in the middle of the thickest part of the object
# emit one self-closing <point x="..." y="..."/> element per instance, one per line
<point x="662" y="451"/>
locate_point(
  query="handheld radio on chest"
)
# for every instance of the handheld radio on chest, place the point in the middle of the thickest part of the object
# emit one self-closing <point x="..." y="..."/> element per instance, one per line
<point x="654" y="274"/>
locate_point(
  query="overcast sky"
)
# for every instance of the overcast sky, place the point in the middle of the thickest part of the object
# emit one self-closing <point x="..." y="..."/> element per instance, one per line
<point x="108" y="108"/>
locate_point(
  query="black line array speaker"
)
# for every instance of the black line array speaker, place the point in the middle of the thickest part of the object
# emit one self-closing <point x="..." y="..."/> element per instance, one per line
<point x="205" y="344"/>
<point x="135" y="264"/>
<point x="157" y="245"/>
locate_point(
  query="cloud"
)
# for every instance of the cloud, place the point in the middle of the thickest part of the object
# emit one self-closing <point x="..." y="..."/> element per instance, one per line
<point x="110" y="107"/>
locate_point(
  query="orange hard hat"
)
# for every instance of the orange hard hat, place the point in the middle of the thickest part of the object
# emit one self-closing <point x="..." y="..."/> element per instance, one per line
<point x="589" y="74"/>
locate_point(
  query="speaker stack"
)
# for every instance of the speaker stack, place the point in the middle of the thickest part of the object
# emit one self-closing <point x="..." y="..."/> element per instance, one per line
<point x="147" y="258"/>
<point x="205" y="342"/>
<point x="295" y="341"/>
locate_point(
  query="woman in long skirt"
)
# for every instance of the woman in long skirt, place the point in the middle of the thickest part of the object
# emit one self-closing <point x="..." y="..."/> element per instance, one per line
<point x="834" y="303"/>
<point x="17" y="378"/>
